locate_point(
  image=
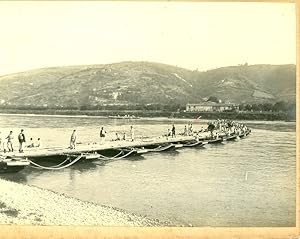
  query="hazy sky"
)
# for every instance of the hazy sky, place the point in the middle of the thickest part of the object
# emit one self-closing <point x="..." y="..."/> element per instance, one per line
<point x="191" y="34"/>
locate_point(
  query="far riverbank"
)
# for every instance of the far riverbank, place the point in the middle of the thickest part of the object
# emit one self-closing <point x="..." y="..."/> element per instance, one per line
<point x="266" y="116"/>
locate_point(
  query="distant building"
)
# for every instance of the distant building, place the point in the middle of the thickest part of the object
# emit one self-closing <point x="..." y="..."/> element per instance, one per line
<point x="211" y="107"/>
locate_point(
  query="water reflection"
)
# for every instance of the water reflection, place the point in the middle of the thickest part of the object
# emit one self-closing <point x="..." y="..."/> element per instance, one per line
<point x="247" y="182"/>
<point x="135" y="158"/>
<point x="84" y="166"/>
<point x="20" y="177"/>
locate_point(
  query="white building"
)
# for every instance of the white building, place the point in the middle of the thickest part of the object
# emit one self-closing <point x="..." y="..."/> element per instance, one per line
<point x="211" y="107"/>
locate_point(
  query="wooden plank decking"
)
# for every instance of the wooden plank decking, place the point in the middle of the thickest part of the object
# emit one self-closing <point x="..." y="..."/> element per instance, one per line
<point x="82" y="148"/>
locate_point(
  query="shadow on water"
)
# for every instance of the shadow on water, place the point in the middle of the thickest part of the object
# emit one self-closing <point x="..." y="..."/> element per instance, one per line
<point x="172" y="152"/>
<point x="135" y="158"/>
<point x="213" y="185"/>
<point x="161" y="154"/>
<point x="22" y="176"/>
<point x="187" y="149"/>
<point x="81" y="165"/>
<point x="84" y="166"/>
<point x="19" y="177"/>
<point x="221" y="144"/>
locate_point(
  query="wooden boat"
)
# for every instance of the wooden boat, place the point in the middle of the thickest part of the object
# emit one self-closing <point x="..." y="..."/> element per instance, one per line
<point x="231" y="137"/>
<point x="215" y="141"/>
<point x="133" y="151"/>
<point x="107" y="151"/>
<point x="113" y="154"/>
<point x="242" y="135"/>
<point x="178" y="146"/>
<point x="92" y="156"/>
<point x="194" y="143"/>
<point x="9" y="165"/>
<point x="160" y="147"/>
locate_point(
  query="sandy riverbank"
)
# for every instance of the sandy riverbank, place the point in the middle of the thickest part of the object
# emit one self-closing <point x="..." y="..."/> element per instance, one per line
<point x="28" y="205"/>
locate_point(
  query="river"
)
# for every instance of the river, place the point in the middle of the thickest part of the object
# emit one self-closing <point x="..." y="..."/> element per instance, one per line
<point x="250" y="182"/>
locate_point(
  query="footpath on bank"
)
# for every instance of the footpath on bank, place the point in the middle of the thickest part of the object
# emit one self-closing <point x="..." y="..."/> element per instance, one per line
<point x="28" y="205"/>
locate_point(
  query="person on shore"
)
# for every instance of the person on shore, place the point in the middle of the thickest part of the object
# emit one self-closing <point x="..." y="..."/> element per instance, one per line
<point x="31" y="144"/>
<point x="173" y="131"/>
<point x="73" y="140"/>
<point x="131" y="133"/>
<point x="38" y="143"/>
<point x="124" y="136"/>
<point x="9" y="138"/>
<point x="22" y="140"/>
<point x="102" y="135"/>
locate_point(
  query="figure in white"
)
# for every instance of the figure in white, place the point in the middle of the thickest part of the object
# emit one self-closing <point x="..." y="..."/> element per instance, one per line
<point x="131" y="133"/>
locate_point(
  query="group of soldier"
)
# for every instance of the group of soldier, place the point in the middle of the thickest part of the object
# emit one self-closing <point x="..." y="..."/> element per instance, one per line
<point x="8" y="144"/>
<point x="224" y="126"/>
<point x="102" y="135"/>
<point x="229" y="126"/>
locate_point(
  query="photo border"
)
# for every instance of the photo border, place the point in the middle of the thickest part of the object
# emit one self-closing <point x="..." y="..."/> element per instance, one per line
<point x="32" y="232"/>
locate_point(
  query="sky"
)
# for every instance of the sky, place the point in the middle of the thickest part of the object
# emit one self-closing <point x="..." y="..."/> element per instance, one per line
<point x="192" y="35"/>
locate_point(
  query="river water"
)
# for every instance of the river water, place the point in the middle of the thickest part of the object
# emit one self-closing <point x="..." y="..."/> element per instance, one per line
<point x="248" y="182"/>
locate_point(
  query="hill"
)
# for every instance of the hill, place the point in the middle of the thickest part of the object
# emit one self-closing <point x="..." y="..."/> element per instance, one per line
<point x="145" y="83"/>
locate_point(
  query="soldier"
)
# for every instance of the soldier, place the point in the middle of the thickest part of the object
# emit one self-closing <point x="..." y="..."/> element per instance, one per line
<point x="9" y="138"/>
<point x="173" y="131"/>
<point x="73" y="140"/>
<point x="22" y="140"/>
<point x="131" y="133"/>
<point x="102" y="135"/>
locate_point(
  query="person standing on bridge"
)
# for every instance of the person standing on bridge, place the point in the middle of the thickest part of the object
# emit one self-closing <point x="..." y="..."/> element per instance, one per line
<point x="9" y="138"/>
<point x="173" y="131"/>
<point x="73" y="140"/>
<point x="131" y="133"/>
<point x="22" y="140"/>
<point x="185" y="131"/>
<point x="102" y="135"/>
<point x="191" y="129"/>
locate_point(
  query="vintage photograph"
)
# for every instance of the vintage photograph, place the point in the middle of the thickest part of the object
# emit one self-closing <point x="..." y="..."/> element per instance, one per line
<point x="156" y="114"/>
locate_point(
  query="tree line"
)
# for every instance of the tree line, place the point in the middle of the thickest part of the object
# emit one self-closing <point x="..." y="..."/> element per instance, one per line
<point x="280" y="106"/>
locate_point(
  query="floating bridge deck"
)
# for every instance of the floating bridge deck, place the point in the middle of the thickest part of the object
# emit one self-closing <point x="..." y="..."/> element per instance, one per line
<point x="121" y="149"/>
<point x="32" y="153"/>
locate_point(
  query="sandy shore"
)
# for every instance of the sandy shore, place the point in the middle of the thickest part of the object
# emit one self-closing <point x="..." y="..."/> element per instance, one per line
<point x="28" y="205"/>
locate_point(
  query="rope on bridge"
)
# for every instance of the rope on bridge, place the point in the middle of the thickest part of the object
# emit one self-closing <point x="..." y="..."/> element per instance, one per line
<point x="56" y="167"/>
<point x="116" y="156"/>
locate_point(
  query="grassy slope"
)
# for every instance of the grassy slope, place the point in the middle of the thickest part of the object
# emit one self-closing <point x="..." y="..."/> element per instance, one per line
<point x="145" y="82"/>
